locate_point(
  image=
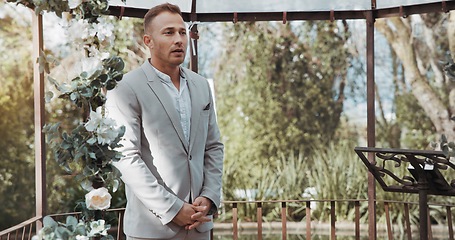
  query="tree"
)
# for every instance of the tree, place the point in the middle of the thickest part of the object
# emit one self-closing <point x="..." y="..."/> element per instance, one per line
<point x="422" y="44"/>
<point x="16" y="123"/>
<point x="279" y="91"/>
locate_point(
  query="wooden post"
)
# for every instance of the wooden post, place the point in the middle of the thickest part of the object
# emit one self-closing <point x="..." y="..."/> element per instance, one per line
<point x="40" y="153"/>
<point x="371" y="118"/>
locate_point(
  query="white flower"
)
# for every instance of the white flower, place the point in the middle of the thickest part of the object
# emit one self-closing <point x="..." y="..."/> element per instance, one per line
<point x="103" y="30"/>
<point x="90" y="65"/>
<point x="74" y="3"/>
<point x="98" y="199"/>
<point x="98" y="228"/>
<point x="105" y="129"/>
<point x="80" y="237"/>
<point x="95" y="120"/>
<point x="78" y="29"/>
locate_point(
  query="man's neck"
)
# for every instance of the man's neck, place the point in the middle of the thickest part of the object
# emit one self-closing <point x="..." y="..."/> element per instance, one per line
<point x="172" y="71"/>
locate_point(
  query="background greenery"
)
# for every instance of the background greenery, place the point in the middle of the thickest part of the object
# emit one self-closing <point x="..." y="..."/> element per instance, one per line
<point x="282" y="95"/>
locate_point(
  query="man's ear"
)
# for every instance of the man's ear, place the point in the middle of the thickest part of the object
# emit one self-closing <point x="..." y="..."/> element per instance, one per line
<point x="148" y="41"/>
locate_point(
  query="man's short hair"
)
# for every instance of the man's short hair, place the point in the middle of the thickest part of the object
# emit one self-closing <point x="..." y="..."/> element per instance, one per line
<point x="154" y="11"/>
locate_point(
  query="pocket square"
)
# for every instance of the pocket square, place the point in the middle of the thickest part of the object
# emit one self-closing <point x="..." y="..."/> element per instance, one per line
<point x="207" y="107"/>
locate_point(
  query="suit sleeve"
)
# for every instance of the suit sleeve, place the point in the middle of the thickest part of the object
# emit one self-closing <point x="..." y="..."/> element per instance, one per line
<point x="122" y="105"/>
<point x="213" y="158"/>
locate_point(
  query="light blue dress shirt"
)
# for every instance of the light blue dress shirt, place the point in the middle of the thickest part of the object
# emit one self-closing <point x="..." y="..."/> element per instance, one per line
<point x="180" y="98"/>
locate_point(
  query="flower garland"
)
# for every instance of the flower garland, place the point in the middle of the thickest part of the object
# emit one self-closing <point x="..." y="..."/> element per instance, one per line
<point x="88" y="148"/>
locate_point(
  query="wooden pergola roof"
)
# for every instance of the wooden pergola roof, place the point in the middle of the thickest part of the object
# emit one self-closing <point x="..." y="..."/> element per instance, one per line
<point x="274" y="10"/>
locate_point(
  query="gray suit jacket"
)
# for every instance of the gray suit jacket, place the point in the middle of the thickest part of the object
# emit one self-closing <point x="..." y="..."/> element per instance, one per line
<point x="159" y="168"/>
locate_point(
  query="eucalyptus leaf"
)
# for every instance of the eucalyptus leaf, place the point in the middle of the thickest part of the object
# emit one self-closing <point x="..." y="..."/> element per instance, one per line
<point x="66" y="145"/>
<point x="91" y="140"/>
<point x="115" y="185"/>
<point x="102" y="78"/>
<point x="108" y="237"/>
<point x="97" y="82"/>
<point x="120" y="65"/>
<point x="110" y="84"/>
<point x="48" y="96"/>
<point x="117" y="76"/>
<point x="62" y="232"/>
<point x="80" y="230"/>
<point x="87" y="185"/>
<point x="88" y="171"/>
<point x="49" y="222"/>
<point x="53" y="81"/>
<point x="84" y="74"/>
<point x="87" y="92"/>
<point x="74" y="96"/>
<point x="96" y="74"/>
<point x="67" y="168"/>
<point x="78" y="155"/>
<point x="43" y="63"/>
<point x="71" y="221"/>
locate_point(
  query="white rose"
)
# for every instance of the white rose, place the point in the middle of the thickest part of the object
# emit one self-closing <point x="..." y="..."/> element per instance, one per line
<point x="98" y="199"/>
<point x="74" y="3"/>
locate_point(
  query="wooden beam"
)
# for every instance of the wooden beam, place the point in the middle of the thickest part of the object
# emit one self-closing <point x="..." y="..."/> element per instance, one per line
<point x="442" y="6"/>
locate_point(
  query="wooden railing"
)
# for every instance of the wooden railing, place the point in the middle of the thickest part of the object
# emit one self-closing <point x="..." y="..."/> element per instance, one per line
<point x="307" y="227"/>
<point x="354" y="228"/>
<point x="26" y="230"/>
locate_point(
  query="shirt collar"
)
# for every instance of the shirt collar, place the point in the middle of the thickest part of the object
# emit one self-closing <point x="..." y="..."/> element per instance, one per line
<point x="164" y="77"/>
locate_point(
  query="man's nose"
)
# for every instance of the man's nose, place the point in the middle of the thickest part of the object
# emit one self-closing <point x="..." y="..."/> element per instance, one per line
<point x="179" y="38"/>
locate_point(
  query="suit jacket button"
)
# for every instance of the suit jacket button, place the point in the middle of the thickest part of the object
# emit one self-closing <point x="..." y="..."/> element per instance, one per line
<point x="191" y="157"/>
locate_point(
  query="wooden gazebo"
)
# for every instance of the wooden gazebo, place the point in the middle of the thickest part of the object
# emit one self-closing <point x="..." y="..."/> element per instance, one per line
<point x="196" y="11"/>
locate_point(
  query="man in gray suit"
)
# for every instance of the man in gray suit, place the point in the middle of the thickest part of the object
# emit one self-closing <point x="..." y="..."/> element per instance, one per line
<point x="173" y="156"/>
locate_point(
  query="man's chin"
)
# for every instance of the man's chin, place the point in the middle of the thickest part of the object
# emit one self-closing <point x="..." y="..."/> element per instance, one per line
<point x="178" y="61"/>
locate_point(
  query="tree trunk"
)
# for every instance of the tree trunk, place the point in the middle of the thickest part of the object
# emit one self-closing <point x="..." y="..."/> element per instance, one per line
<point x="398" y="33"/>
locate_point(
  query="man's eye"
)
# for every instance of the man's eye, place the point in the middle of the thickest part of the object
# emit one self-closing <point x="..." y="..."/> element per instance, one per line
<point x="183" y="33"/>
<point x="168" y="32"/>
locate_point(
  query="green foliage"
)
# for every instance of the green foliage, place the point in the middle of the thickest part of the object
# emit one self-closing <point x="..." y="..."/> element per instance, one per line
<point x="420" y="131"/>
<point x="86" y="90"/>
<point x="16" y="105"/>
<point x="16" y="125"/>
<point x="332" y="172"/>
<point x="128" y="41"/>
<point x="284" y="181"/>
<point x="279" y="88"/>
<point x="448" y="148"/>
<point x="336" y="172"/>
<point x="83" y="147"/>
<point x="74" y="229"/>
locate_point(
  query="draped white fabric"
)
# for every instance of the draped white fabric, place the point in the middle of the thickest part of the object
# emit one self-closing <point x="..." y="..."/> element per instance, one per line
<point x="220" y="6"/>
<point x="397" y="3"/>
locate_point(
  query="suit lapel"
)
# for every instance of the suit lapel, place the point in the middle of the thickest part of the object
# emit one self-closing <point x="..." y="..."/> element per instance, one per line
<point x="195" y="111"/>
<point x="157" y="87"/>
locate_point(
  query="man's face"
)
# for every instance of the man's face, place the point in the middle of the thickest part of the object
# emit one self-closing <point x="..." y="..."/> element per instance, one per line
<point x="167" y="40"/>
